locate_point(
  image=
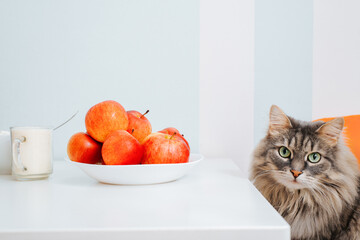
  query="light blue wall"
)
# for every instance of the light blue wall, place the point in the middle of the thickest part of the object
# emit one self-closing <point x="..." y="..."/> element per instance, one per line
<point x="57" y="57"/>
<point x="283" y="60"/>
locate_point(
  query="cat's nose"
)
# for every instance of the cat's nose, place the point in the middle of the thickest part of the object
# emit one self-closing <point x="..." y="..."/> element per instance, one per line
<point x="295" y="173"/>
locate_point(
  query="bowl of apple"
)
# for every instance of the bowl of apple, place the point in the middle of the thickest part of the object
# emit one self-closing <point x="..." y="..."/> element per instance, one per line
<point x="119" y="147"/>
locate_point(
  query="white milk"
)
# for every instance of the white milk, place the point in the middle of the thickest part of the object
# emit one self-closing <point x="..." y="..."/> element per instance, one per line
<point x="32" y="152"/>
<point x="5" y="153"/>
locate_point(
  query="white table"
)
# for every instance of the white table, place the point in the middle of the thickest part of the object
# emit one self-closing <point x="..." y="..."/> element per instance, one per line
<point x="212" y="202"/>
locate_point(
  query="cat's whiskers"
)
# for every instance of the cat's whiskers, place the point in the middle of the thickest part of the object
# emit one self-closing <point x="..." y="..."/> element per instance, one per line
<point x="317" y="188"/>
<point x="264" y="173"/>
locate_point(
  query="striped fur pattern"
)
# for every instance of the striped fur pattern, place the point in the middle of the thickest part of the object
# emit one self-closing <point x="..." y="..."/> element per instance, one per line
<point x="323" y="201"/>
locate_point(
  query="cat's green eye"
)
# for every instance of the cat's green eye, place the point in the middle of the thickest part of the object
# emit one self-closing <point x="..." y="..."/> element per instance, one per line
<point x="284" y="152"/>
<point x="314" y="157"/>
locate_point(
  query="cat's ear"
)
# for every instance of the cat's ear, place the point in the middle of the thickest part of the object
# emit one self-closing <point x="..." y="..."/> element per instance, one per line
<point x="331" y="130"/>
<point x="278" y="120"/>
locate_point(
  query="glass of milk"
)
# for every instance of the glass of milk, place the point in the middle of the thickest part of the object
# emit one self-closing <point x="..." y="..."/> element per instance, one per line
<point x="31" y="152"/>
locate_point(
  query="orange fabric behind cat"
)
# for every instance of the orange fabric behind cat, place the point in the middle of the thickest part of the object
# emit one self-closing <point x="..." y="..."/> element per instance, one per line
<point x="351" y="133"/>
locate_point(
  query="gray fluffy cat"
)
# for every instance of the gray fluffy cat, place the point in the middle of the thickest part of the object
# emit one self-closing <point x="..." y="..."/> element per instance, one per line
<point x="310" y="177"/>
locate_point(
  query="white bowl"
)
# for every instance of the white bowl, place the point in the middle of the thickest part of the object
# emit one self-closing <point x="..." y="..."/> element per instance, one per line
<point x="138" y="174"/>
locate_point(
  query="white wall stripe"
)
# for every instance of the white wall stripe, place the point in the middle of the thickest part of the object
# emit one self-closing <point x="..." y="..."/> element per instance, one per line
<point x="336" y="83"/>
<point x="226" y="79"/>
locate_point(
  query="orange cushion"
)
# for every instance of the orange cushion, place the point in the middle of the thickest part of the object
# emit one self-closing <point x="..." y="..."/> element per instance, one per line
<point x="351" y="133"/>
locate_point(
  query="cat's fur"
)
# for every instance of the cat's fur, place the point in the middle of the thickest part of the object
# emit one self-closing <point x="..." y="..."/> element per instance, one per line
<point x="322" y="202"/>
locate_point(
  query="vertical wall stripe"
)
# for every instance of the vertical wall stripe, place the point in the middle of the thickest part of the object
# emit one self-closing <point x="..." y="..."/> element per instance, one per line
<point x="227" y="79"/>
<point x="336" y="81"/>
<point x="283" y="59"/>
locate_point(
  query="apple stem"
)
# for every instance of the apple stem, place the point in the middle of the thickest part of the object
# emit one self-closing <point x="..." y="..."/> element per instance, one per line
<point x="147" y="111"/>
<point x="173" y="135"/>
<point x="132" y="131"/>
<point x="182" y="135"/>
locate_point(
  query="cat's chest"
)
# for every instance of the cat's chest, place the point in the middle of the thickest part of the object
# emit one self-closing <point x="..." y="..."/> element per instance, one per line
<point x="295" y="211"/>
<point x="306" y="218"/>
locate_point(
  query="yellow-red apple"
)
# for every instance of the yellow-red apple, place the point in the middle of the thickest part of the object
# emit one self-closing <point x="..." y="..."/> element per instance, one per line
<point x="164" y="148"/>
<point x="139" y="125"/>
<point x="82" y="148"/>
<point x="104" y="118"/>
<point x="171" y="131"/>
<point x="121" y="148"/>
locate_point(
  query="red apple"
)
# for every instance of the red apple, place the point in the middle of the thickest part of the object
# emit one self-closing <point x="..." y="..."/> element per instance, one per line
<point x="121" y="148"/>
<point x="82" y="148"/>
<point x="164" y="148"/>
<point x="139" y="125"/>
<point x="171" y="131"/>
<point x="104" y="118"/>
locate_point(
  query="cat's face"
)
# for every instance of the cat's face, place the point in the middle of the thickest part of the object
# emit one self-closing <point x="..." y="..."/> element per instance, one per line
<point x="300" y="154"/>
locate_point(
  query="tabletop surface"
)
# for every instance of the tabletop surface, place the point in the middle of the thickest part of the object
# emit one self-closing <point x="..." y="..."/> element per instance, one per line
<point x="212" y="202"/>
